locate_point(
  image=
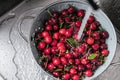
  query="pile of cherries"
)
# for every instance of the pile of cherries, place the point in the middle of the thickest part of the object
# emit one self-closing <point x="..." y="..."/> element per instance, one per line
<point x="65" y="56"/>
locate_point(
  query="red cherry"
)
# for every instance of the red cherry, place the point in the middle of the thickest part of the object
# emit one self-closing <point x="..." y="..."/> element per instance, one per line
<point x="105" y="52"/>
<point x="54" y="50"/>
<point x="55" y="14"/>
<point x="87" y="25"/>
<point x="39" y="35"/>
<point x="41" y="45"/>
<point x="71" y="29"/>
<point x="61" y="19"/>
<point x="55" y="27"/>
<point x="95" y="46"/>
<point x="68" y="33"/>
<point x="76" y="77"/>
<point x="60" y="44"/>
<point x="63" y="60"/>
<point x="51" y="66"/>
<point x="75" y="54"/>
<point x="102" y="40"/>
<point x="48" y="27"/>
<point x="62" y="39"/>
<point x="48" y="57"/>
<point x="88" y="32"/>
<point x="96" y="23"/>
<point x="56" y="74"/>
<point x="93" y="26"/>
<point x="56" y="61"/>
<point x="48" y="39"/>
<point x="54" y="43"/>
<point x="81" y="50"/>
<point x="103" y="46"/>
<point x="89" y="66"/>
<point x="84" y="61"/>
<point x="65" y="12"/>
<point x="81" y="13"/>
<point x="80" y="68"/>
<point x="68" y="55"/>
<point x="62" y="31"/>
<point x="71" y="9"/>
<point x="91" y="19"/>
<point x="96" y="35"/>
<point x="67" y="19"/>
<point x="47" y="51"/>
<point x="66" y="76"/>
<point x="75" y="36"/>
<point x="88" y="73"/>
<point x="56" y="35"/>
<point x="71" y="61"/>
<point x="54" y="21"/>
<point x="77" y="61"/>
<point x="61" y="47"/>
<point x="78" y="23"/>
<point x="73" y="71"/>
<point x="90" y="41"/>
<point x="60" y="66"/>
<point x="45" y="33"/>
<point x="104" y="34"/>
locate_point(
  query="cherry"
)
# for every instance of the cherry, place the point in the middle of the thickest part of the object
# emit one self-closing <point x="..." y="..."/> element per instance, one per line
<point x="96" y="23"/>
<point x="56" y="74"/>
<point x="103" y="46"/>
<point x="71" y="29"/>
<point x="67" y="19"/>
<point x="54" y="43"/>
<point x="88" y="73"/>
<point x="41" y="45"/>
<point x="88" y="66"/>
<point x="61" y="19"/>
<point x="71" y="9"/>
<point x="93" y="26"/>
<point x="54" y="50"/>
<point x="96" y="35"/>
<point x="47" y="51"/>
<point x="105" y="52"/>
<point x="73" y="71"/>
<point x="45" y="33"/>
<point x="84" y="61"/>
<point x="75" y="54"/>
<point x="56" y="61"/>
<point x="56" y="35"/>
<point x="77" y="61"/>
<point x="62" y="39"/>
<point x="68" y="33"/>
<point x="51" y="66"/>
<point x="66" y="76"/>
<point x="55" y="27"/>
<point x="81" y="13"/>
<point x="95" y="46"/>
<point x="60" y="66"/>
<point x="63" y="60"/>
<point x="102" y="40"/>
<point x="48" y="39"/>
<point x="48" y="57"/>
<point x="39" y="35"/>
<point x="62" y="31"/>
<point x="68" y="55"/>
<point x="80" y="68"/>
<point x="88" y="32"/>
<point x="61" y="47"/>
<point x="91" y="19"/>
<point x="71" y="61"/>
<point x="48" y="27"/>
<point x="55" y="14"/>
<point x="104" y="34"/>
<point x="78" y="23"/>
<point x="54" y="21"/>
<point x="64" y="12"/>
<point x="90" y="41"/>
<point x="87" y="25"/>
<point x="75" y="36"/>
<point x="76" y="77"/>
<point x="81" y="50"/>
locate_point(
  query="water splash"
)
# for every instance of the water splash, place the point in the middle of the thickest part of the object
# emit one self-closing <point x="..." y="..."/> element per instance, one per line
<point x="88" y="13"/>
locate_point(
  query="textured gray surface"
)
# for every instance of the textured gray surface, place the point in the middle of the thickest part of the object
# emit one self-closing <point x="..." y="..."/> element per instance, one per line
<point x="14" y="61"/>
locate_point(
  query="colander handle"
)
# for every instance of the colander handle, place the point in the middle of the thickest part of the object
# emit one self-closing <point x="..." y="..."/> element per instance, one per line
<point x="19" y="27"/>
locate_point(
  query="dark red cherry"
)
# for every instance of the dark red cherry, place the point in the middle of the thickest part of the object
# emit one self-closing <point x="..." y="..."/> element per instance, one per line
<point x="54" y="43"/>
<point x="66" y="76"/>
<point x="73" y="71"/>
<point x="63" y="60"/>
<point x="48" y="39"/>
<point x="84" y="61"/>
<point x="56" y="35"/>
<point x="47" y="51"/>
<point x="91" y="19"/>
<point x="76" y="77"/>
<point x="105" y="52"/>
<point x="65" y="12"/>
<point x="51" y="66"/>
<point x="54" y="50"/>
<point x="48" y="27"/>
<point x="56" y="61"/>
<point x="55" y="27"/>
<point x="71" y="9"/>
<point x="56" y="74"/>
<point x="95" y="46"/>
<point x="62" y="31"/>
<point x="78" y="23"/>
